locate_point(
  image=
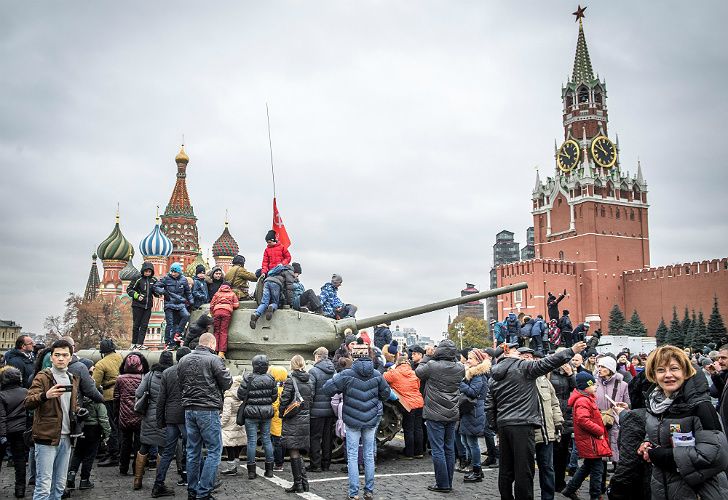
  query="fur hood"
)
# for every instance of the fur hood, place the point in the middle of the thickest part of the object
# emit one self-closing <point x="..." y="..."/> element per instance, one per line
<point x="481" y="369"/>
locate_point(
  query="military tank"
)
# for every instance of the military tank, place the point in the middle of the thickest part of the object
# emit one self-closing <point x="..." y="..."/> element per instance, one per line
<point x="292" y="332"/>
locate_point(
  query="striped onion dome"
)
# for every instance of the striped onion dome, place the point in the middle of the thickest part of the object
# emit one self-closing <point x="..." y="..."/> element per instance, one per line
<point x="225" y="245"/>
<point x="129" y="272"/>
<point x="190" y="271"/>
<point x="156" y="243"/>
<point x="115" y="246"/>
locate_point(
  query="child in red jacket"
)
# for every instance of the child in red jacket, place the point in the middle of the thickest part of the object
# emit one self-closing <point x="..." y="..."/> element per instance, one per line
<point x="222" y="305"/>
<point x="590" y="435"/>
<point x="274" y="254"/>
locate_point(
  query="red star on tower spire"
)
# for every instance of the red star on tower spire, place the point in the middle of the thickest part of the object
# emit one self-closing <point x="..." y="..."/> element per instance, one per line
<point x="579" y="13"/>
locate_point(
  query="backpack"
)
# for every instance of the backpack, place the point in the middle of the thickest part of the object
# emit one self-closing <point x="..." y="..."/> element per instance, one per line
<point x="500" y="332"/>
<point x="539" y="327"/>
<point x="526" y="330"/>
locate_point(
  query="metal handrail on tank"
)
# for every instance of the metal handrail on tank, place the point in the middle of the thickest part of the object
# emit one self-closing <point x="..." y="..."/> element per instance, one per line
<point x="356" y="324"/>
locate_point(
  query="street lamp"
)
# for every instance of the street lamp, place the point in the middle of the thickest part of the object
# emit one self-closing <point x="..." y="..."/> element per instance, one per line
<point x="460" y="327"/>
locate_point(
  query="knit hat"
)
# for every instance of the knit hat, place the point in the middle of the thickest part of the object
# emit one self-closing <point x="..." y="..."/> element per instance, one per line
<point x="165" y="358"/>
<point x="393" y="347"/>
<point x="199" y="269"/>
<point x="336" y="279"/>
<point x="175" y="268"/>
<point x="608" y="362"/>
<point x="270" y="235"/>
<point x="296" y="268"/>
<point x="106" y="346"/>
<point x="479" y="355"/>
<point x="584" y="380"/>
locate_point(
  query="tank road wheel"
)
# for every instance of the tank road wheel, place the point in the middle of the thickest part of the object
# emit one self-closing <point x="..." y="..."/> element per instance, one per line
<point x="390" y="424"/>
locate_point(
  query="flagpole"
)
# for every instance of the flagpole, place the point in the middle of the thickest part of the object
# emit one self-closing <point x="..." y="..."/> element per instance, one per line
<point x="270" y="147"/>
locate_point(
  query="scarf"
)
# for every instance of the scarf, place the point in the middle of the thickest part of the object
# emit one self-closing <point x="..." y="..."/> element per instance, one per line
<point x="658" y="402"/>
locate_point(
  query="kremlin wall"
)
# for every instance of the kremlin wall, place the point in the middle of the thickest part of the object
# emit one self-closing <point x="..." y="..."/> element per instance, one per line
<point x="591" y="228"/>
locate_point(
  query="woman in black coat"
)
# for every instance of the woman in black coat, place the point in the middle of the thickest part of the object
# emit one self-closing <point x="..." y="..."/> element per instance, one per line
<point x="296" y="435"/>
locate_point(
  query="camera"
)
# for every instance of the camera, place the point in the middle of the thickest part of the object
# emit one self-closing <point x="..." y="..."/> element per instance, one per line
<point x="593" y="342"/>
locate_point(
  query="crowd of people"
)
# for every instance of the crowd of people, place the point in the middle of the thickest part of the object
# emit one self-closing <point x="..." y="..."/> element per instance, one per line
<point x="654" y="421"/>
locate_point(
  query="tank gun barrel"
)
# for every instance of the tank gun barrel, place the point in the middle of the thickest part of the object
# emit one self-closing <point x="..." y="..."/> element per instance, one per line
<point x="359" y="324"/>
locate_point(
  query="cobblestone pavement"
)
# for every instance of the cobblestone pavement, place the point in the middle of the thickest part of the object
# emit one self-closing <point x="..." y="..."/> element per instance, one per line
<point x="395" y="478"/>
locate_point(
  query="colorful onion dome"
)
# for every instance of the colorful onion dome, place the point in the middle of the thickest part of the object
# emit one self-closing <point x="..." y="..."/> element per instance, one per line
<point x="129" y="272"/>
<point x="190" y="271"/>
<point x="115" y="246"/>
<point x="156" y="243"/>
<point x="182" y="156"/>
<point x="225" y="245"/>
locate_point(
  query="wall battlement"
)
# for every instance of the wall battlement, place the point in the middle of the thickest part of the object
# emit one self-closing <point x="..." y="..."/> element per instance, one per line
<point x="545" y="266"/>
<point x="685" y="271"/>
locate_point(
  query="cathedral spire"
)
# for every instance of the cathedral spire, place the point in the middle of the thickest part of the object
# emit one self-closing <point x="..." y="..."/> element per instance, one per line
<point x="93" y="283"/>
<point x="583" y="72"/>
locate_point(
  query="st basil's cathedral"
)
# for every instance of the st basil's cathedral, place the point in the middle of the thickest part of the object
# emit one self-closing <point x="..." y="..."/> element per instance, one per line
<point x="174" y="238"/>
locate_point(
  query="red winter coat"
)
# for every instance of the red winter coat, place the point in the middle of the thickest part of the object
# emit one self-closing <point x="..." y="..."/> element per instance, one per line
<point x="124" y="398"/>
<point x="272" y="256"/>
<point x="224" y="299"/>
<point x="591" y="437"/>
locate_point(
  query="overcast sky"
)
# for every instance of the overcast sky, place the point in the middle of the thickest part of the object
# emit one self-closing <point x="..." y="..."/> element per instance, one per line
<point x="405" y="133"/>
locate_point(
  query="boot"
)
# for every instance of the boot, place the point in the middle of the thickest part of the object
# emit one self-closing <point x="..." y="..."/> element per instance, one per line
<point x="304" y="478"/>
<point x="474" y="477"/>
<point x="232" y="468"/>
<point x="251" y="471"/>
<point x="463" y="466"/>
<point x="269" y="312"/>
<point x="85" y="484"/>
<point x="160" y="490"/>
<point x="296" y="466"/>
<point x="253" y="320"/>
<point x="491" y="462"/>
<point x="139" y="464"/>
<point x="71" y="480"/>
<point x="19" y="491"/>
<point x="268" y="469"/>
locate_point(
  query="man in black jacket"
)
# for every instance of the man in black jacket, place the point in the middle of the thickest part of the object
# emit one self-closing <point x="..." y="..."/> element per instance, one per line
<point x="142" y="294"/>
<point x="512" y="407"/>
<point x="22" y="358"/>
<point x="204" y="379"/>
<point x="552" y="303"/>
<point x="170" y="416"/>
<point x="322" y="415"/>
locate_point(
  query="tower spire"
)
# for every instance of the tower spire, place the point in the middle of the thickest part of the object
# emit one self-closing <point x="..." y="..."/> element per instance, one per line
<point x="93" y="283"/>
<point x="583" y="71"/>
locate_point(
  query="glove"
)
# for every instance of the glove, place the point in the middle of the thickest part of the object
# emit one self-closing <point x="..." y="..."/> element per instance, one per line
<point x="3" y="440"/>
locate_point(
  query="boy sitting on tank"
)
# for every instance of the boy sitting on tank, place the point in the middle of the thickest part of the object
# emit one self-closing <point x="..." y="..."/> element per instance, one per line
<point x="280" y="278"/>
<point x="303" y="300"/>
<point x="238" y="277"/>
<point x="331" y="304"/>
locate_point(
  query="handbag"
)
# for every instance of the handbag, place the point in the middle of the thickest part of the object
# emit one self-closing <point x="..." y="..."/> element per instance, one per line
<point x="142" y="404"/>
<point x="608" y="418"/>
<point x="240" y="417"/>
<point x="295" y="406"/>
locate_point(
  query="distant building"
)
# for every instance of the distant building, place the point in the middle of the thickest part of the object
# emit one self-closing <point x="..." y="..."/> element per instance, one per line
<point x="9" y="331"/>
<point x="474" y="309"/>
<point x="505" y="250"/>
<point x="529" y="251"/>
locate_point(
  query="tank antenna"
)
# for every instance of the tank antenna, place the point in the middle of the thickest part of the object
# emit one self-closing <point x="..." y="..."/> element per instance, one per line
<point x="270" y="146"/>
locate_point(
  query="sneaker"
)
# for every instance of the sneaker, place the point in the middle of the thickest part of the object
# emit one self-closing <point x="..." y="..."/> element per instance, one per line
<point x="182" y="481"/>
<point x="142" y="347"/>
<point x="269" y="313"/>
<point x="85" y="484"/>
<point x="278" y="468"/>
<point x="303" y="309"/>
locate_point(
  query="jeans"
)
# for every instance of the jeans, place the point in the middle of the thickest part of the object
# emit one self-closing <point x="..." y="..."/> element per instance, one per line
<point x="592" y="467"/>
<point x="51" y="468"/>
<point x="203" y="429"/>
<point x="140" y="318"/>
<point x="517" y="464"/>
<point x="173" y="433"/>
<point x="471" y="443"/>
<point x="322" y="433"/>
<point x="278" y="456"/>
<point x="574" y="457"/>
<point x="252" y="425"/>
<point x="175" y="320"/>
<point x="546" y="476"/>
<point x="367" y="435"/>
<point x="412" y="427"/>
<point x="271" y="296"/>
<point x="85" y="450"/>
<point x="442" y="442"/>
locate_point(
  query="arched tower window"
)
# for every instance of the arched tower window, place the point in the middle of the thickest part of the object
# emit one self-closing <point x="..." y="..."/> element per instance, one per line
<point x="598" y="97"/>
<point x="569" y="100"/>
<point x="610" y="189"/>
<point x="619" y="212"/>
<point x="583" y="94"/>
<point x="561" y="255"/>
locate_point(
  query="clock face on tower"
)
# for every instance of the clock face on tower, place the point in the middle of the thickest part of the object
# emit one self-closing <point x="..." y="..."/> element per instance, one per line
<point x="568" y="156"/>
<point x="603" y="151"/>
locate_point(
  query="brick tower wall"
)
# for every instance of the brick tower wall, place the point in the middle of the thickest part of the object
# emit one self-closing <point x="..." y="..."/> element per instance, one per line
<point x="653" y="292"/>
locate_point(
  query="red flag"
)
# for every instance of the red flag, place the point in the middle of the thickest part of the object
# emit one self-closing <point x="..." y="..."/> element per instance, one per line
<point x="279" y="227"/>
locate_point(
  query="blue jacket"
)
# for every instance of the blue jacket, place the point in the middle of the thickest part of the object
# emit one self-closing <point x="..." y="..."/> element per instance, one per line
<point x="501" y="332"/>
<point x="363" y="389"/>
<point x="382" y="336"/>
<point x="512" y="325"/>
<point x="199" y="293"/>
<point x="329" y="300"/>
<point x="539" y="327"/>
<point x="176" y="291"/>
<point x="475" y="385"/>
